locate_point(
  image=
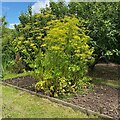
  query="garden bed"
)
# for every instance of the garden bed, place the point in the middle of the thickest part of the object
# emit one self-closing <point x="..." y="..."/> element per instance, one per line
<point x="26" y="82"/>
<point x="104" y="99"/>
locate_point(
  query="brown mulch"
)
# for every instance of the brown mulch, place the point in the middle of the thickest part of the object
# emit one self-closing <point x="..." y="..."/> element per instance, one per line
<point x="104" y="99"/>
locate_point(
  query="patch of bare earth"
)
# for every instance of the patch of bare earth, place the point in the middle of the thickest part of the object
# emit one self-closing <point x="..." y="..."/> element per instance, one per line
<point x="104" y="99"/>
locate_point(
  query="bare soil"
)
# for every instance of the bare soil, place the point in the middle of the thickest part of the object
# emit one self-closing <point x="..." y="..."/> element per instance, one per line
<point x="104" y="99"/>
<point x="26" y="82"/>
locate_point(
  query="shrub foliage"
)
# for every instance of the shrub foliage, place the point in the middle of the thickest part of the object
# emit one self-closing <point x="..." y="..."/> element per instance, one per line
<point x="66" y="56"/>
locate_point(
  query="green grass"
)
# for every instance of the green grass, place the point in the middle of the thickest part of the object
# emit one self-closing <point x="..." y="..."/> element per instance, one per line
<point x="113" y="83"/>
<point x="9" y="75"/>
<point x="20" y="104"/>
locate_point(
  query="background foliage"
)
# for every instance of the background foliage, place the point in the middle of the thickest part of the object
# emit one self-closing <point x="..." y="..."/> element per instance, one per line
<point x="102" y="21"/>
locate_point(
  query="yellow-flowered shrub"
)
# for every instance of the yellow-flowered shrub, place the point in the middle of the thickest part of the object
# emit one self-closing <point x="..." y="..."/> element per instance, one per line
<point x="64" y="63"/>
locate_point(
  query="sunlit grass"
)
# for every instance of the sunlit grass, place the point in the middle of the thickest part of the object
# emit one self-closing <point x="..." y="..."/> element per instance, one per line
<point x="9" y="75"/>
<point x="19" y="104"/>
<point x="114" y="83"/>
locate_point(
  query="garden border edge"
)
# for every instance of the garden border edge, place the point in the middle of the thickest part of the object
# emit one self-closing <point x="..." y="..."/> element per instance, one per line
<point x="75" y="107"/>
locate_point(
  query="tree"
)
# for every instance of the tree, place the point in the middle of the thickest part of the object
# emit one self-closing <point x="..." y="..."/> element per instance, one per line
<point x="101" y="19"/>
<point x="7" y="48"/>
<point x="59" y="8"/>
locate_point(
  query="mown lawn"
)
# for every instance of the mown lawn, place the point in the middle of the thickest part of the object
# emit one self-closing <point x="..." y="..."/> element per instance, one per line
<point x="19" y="104"/>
